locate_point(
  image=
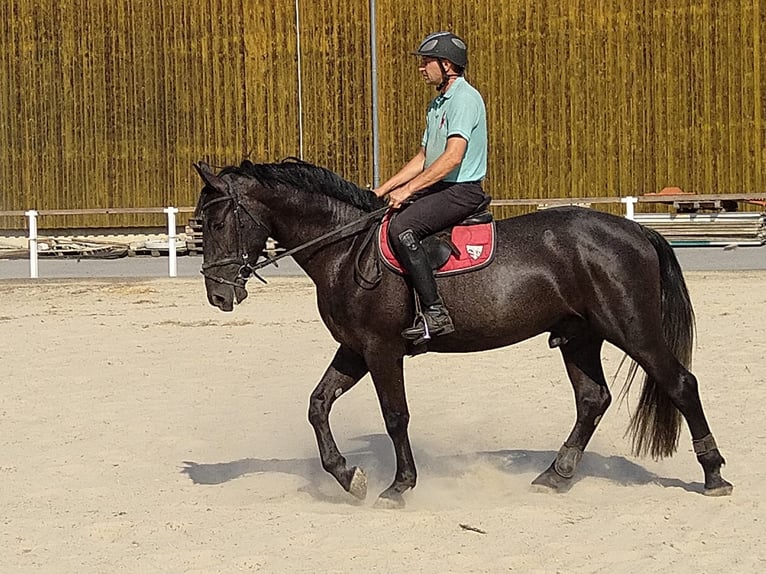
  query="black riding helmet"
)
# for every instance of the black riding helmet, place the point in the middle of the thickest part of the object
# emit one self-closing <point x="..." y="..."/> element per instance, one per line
<point x="444" y="45"/>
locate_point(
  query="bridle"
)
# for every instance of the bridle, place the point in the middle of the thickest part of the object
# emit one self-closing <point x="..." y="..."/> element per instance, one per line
<point x="248" y="269"/>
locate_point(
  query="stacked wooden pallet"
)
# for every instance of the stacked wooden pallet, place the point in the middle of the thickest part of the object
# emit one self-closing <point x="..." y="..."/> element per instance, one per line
<point x="723" y="228"/>
<point x="194" y="237"/>
<point x="194" y="240"/>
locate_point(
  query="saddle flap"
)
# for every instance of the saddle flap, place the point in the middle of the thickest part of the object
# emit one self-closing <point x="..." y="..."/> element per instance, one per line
<point x="439" y="248"/>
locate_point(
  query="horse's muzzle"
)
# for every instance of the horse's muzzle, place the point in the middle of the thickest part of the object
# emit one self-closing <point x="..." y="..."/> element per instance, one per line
<point x="224" y="296"/>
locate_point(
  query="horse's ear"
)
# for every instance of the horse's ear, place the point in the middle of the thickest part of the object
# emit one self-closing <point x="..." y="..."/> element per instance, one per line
<point x="210" y="178"/>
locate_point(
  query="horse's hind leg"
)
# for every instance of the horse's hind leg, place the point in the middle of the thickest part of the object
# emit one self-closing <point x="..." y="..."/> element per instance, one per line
<point x="681" y="387"/>
<point x="344" y="372"/>
<point x="582" y="357"/>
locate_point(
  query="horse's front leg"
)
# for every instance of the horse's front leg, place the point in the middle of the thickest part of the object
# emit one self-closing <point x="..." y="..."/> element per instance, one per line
<point x="388" y="377"/>
<point x="344" y="372"/>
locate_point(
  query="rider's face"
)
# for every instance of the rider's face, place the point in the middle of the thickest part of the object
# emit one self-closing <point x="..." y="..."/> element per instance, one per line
<point x="430" y="70"/>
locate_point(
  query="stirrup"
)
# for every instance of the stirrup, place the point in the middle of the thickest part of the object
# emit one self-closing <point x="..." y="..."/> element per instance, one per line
<point x="420" y="320"/>
<point x="421" y="332"/>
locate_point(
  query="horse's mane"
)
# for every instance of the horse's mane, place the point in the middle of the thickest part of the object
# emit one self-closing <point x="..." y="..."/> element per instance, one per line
<point x="293" y="172"/>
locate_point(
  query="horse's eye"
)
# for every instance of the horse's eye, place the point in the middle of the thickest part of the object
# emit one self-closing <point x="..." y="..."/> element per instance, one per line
<point x="216" y="226"/>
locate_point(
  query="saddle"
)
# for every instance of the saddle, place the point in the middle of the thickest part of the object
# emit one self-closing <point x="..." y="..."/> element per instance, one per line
<point x="467" y="246"/>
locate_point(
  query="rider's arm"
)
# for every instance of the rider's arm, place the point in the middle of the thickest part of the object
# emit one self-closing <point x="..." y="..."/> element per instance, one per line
<point x="437" y="171"/>
<point x="410" y="170"/>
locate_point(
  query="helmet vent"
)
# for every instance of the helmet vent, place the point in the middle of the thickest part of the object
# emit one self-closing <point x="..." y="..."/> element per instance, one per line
<point x="429" y="45"/>
<point x="458" y="42"/>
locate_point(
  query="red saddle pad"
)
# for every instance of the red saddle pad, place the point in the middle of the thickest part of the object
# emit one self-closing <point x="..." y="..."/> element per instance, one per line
<point x="475" y="244"/>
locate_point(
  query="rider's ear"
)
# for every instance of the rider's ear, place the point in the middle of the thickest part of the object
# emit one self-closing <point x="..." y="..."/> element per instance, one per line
<point x="209" y="177"/>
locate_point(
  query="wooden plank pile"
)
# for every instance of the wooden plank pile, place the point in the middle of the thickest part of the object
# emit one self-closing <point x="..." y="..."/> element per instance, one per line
<point x="194" y="240"/>
<point x="717" y="228"/>
<point x="194" y="237"/>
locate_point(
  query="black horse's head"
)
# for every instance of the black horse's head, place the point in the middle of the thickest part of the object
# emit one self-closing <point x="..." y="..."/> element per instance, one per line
<point x="232" y="238"/>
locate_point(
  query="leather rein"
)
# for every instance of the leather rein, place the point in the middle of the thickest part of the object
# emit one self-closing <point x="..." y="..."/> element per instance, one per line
<point x="248" y="269"/>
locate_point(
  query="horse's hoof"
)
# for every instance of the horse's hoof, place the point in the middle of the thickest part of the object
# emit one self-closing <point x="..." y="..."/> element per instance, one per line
<point x="394" y="502"/>
<point x="551" y="481"/>
<point x="722" y="490"/>
<point x="358" y="486"/>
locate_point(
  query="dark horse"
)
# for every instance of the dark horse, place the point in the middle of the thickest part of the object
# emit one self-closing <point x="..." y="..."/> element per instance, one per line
<point x="581" y="275"/>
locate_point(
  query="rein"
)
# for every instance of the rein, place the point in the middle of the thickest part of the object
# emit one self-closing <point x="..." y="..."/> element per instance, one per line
<point x="247" y="269"/>
<point x="330" y="234"/>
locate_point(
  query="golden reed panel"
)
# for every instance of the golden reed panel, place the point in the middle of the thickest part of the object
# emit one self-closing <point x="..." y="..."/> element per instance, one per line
<point x="107" y="103"/>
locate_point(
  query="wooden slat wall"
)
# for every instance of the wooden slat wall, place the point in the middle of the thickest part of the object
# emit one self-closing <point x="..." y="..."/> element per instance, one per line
<point x="106" y="103"/>
<point x="598" y="98"/>
<point x="110" y="101"/>
<point x="337" y="95"/>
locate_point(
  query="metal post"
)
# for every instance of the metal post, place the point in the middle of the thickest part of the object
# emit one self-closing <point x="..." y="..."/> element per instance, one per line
<point x="300" y="76"/>
<point x="374" y="73"/>
<point x="630" y="203"/>
<point x="172" y="263"/>
<point x="32" y="215"/>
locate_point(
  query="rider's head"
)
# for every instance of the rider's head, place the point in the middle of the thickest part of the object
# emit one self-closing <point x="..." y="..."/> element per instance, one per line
<point x="445" y="46"/>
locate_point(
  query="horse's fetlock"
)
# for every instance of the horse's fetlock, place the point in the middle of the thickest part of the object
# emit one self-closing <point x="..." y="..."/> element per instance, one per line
<point x="567" y="460"/>
<point x="332" y="463"/>
<point x="409" y="478"/>
<point x="711" y="460"/>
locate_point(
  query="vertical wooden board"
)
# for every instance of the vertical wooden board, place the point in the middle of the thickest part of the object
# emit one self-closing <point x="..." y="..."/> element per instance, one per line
<point x="759" y="96"/>
<point x="743" y="28"/>
<point x="402" y="94"/>
<point x="7" y="102"/>
<point x="336" y="87"/>
<point x="271" y="78"/>
<point x="26" y="58"/>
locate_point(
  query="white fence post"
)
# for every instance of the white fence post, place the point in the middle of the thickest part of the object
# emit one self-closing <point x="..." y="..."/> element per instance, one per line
<point x="32" y="216"/>
<point x="630" y="203"/>
<point x="172" y="263"/>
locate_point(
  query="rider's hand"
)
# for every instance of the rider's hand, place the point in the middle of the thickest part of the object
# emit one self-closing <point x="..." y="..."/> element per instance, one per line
<point x="397" y="197"/>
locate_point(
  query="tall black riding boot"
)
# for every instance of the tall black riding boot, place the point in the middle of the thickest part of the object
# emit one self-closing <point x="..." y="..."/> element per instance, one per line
<point x="436" y="317"/>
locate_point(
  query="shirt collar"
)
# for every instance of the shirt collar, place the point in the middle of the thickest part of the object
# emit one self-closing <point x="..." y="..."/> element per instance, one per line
<point x="453" y="86"/>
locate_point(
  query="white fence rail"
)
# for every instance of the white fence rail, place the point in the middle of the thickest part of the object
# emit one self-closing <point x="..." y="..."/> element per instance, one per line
<point x="33" y="238"/>
<point x="630" y="202"/>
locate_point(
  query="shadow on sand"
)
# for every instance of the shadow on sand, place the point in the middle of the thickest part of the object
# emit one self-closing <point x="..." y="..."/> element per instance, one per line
<point x="377" y="448"/>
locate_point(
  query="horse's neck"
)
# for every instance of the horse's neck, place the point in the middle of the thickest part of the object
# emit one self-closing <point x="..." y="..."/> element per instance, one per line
<point x="299" y="220"/>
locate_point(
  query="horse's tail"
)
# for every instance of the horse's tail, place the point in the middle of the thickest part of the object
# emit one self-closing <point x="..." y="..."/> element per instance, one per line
<point x="656" y="423"/>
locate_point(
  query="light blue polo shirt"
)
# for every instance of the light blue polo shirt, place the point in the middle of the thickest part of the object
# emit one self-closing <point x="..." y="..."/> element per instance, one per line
<point x="460" y="111"/>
